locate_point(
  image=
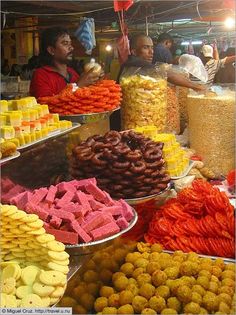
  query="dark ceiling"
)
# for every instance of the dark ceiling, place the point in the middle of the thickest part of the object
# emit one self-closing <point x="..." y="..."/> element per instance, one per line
<point x="156" y="13"/>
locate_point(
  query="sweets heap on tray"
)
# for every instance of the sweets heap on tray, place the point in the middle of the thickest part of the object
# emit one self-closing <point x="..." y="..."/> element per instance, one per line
<point x="76" y="211"/>
<point x="100" y="97"/>
<point x="141" y="279"/>
<point x="7" y="148"/>
<point x="174" y="156"/>
<point x="24" y="121"/>
<point x="126" y="165"/>
<point x="33" y="265"/>
<point x="200" y="219"/>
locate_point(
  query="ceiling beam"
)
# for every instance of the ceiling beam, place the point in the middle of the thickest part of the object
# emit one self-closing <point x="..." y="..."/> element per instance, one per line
<point x="71" y="6"/>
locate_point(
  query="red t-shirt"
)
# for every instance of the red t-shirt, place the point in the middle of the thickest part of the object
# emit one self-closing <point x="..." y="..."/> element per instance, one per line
<point x="48" y="82"/>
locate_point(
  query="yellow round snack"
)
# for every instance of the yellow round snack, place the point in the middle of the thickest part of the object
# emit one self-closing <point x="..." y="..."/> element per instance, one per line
<point x="23" y="291"/>
<point x="30" y="218"/>
<point x="8" y="285"/>
<point x="61" y="262"/>
<point x="9" y="210"/>
<point x="2" y="300"/>
<point x="36" y="224"/>
<point x="18" y="215"/>
<point x="17" y="231"/>
<point x="19" y="254"/>
<point x="45" y="238"/>
<point x="25" y="228"/>
<point x="8" y="245"/>
<point x="6" y="263"/>
<point x="60" y="268"/>
<point x="58" y="255"/>
<point x="46" y="301"/>
<point x="29" y="274"/>
<point x="37" y="232"/>
<point x="51" y="277"/>
<point x="53" y="301"/>
<point x="42" y="289"/>
<point x="11" y="271"/>
<point x="24" y="246"/>
<point x="31" y="300"/>
<point x="58" y="292"/>
<point x="56" y="246"/>
<point x="10" y="301"/>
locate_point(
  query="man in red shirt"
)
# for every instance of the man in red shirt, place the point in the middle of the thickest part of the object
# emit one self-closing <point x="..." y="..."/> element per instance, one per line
<point x="54" y="75"/>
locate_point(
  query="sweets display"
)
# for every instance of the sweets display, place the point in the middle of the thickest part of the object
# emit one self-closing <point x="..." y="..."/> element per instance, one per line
<point x="7" y="148"/>
<point x="200" y="219"/>
<point x="144" y="102"/>
<point x="212" y="130"/>
<point x="172" y="112"/>
<point x="74" y="212"/>
<point x="141" y="279"/>
<point x="100" y="97"/>
<point x="175" y="157"/>
<point x="183" y="112"/>
<point x="126" y="164"/>
<point x="24" y="121"/>
<point x="33" y="265"/>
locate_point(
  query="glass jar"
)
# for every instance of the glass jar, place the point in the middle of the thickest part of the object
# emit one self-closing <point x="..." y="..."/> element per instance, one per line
<point x="144" y="99"/>
<point x="212" y="128"/>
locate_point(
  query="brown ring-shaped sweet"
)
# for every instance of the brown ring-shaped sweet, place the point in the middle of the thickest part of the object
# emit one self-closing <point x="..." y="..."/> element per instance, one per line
<point x="128" y="174"/>
<point x="117" y="187"/>
<point x="155" y="191"/>
<point x="113" y="141"/>
<point x="147" y="180"/>
<point x="117" y="195"/>
<point x="116" y="178"/>
<point x="148" y="171"/>
<point x="155" y="165"/>
<point x="155" y="174"/>
<point x="121" y="165"/>
<point x="97" y="161"/>
<point x="90" y="141"/>
<point x="139" y="178"/>
<point x="128" y="191"/>
<point x="134" y="156"/>
<point x="125" y="182"/>
<point x="138" y="167"/>
<point x="103" y="181"/>
<point x="121" y="149"/>
<point x="152" y="155"/>
<point x="85" y="156"/>
<point x="162" y="186"/>
<point x="112" y="133"/>
<point x="165" y="179"/>
<point x="140" y="194"/>
<point x="116" y="170"/>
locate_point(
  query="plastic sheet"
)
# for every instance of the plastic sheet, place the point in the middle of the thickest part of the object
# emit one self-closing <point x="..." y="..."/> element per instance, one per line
<point x="144" y="99"/>
<point x="212" y="129"/>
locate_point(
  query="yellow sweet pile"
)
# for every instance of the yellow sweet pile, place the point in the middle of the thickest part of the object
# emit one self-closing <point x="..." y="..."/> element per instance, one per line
<point x="141" y="279"/>
<point x="34" y="264"/>
<point x="174" y="156"/>
<point x="144" y="102"/>
<point x="24" y="121"/>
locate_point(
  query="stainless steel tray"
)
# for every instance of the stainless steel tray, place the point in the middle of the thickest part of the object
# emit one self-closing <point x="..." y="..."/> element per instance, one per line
<point x="9" y="158"/>
<point x="136" y="201"/>
<point x="88" y="248"/>
<point x="185" y="173"/>
<point x="88" y="118"/>
<point x="51" y="135"/>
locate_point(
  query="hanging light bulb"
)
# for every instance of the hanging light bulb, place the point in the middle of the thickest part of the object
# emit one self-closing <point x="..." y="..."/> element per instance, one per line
<point x="108" y="48"/>
<point x="229" y="23"/>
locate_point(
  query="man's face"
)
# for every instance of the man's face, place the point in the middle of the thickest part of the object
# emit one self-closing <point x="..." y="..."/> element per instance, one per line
<point x="62" y="52"/>
<point x="168" y="44"/>
<point x="144" y="49"/>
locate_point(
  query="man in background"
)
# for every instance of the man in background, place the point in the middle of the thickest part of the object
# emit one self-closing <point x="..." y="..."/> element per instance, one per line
<point x="162" y="51"/>
<point x="54" y="75"/>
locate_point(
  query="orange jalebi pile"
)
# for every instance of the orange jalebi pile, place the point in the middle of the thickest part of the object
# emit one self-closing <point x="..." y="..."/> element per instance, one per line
<point x="145" y="213"/>
<point x="200" y="219"/>
<point x="102" y="96"/>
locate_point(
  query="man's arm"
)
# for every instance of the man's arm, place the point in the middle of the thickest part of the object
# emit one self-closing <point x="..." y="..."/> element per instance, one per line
<point x="181" y="80"/>
<point x="230" y="59"/>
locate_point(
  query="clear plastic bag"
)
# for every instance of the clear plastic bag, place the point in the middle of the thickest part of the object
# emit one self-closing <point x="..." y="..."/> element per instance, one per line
<point x="193" y="65"/>
<point x="144" y="103"/>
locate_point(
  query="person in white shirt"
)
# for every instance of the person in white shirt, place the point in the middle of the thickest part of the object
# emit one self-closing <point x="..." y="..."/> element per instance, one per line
<point x="212" y="63"/>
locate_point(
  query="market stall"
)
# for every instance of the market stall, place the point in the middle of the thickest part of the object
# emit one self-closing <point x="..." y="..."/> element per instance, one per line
<point x="137" y="221"/>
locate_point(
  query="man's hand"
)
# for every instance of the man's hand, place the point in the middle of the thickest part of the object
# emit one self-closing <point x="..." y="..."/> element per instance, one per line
<point x="199" y="88"/>
<point x="88" y="78"/>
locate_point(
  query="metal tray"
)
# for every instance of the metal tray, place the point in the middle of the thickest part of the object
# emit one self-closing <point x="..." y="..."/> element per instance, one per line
<point x="88" y="248"/>
<point x="9" y="158"/>
<point x="88" y="118"/>
<point x="51" y="135"/>
<point x="185" y="173"/>
<point x="136" y="201"/>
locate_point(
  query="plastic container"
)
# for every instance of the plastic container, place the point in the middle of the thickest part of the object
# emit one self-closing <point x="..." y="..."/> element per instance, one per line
<point x="173" y="117"/>
<point x="212" y="128"/>
<point x="144" y="98"/>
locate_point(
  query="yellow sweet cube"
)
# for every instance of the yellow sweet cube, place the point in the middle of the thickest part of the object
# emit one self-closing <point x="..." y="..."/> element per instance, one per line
<point x="56" y="118"/>
<point x="45" y="109"/>
<point x="19" y="104"/>
<point x="7" y="132"/>
<point x="21" y="139"/>
<point x="27" y="138"/>
<point x="3" y="120"/>
<point x="15" y="141"/>
<point x="14" y="118"/>
<point x="3" y="106"/>
<point x="44" y="132"/>
<point x="38" y="134"/>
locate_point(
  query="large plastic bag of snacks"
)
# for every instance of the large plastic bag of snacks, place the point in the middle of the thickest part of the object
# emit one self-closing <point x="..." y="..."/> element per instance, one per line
<point x="144" y="103"/>
<point x="212" y="128"/>
<point x="193" y="65"/>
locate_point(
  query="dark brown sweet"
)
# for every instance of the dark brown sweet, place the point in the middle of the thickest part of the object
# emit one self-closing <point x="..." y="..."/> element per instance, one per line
<point x="126" y="164"/>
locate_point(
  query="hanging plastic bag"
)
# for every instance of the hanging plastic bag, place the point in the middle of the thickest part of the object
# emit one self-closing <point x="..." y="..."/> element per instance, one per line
<point x="194" y="66"/>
